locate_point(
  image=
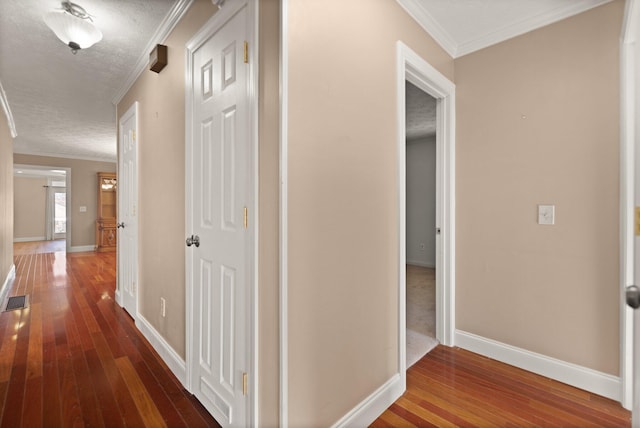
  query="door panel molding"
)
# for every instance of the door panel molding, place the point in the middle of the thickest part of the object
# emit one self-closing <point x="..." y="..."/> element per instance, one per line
<point x="230" y="9"/>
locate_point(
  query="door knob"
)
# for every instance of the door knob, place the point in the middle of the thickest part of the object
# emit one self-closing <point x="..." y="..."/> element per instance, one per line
<point x="193" y="240"/>
<point x="633" y="296"/>
<point x="120" y="225"/>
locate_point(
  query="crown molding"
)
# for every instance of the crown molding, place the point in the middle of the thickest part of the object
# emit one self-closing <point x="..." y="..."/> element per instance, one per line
<point x="7" y="112"/>
<point x="430" y="25"/>
<point x="516" y="29"/>
<point x="456" y="49"/>
<point x="167" y="25"/>
<point x="64" y="156"/>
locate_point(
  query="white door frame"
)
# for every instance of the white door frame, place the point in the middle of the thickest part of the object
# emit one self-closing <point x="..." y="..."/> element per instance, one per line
<point x="132" y="111"/>
<point x="628" y="165"/>
<point x="228" y="9"/>
<point x="411" y="67"/>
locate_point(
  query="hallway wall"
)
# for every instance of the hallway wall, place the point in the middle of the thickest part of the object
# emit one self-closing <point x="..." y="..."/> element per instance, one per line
<point x="342" y="200"/>
<point x="6" y="199"/>
<point x="29" y="208"/>
<point x="421" y="201"/>
<point x="538" y="123"/>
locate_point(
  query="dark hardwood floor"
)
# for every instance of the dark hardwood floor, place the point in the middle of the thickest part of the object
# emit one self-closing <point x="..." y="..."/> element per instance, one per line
<point x="75" y="358"/>
<point x="454" y="387"/>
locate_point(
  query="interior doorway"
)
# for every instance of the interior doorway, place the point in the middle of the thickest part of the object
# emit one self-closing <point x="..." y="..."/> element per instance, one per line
<point x="412" y="68"/>
<point x="42" y="206"/>
<point x="421" y="155"/>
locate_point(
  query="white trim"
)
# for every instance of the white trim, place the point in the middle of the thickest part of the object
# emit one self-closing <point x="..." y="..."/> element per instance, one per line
<point x="429" y="24"/>
<point x="167" y="25"/>
<point x="284" y="214"/>
<point x="581" y="377"/>
<point x="628" y="99"/>
<point x="421" y="264"/>
<point x="81" y="249"/>
<point x="417" y="10"/>
<point x="253" y="35"/>
<point x="410" y="66"/>
<point x="369" y="409"/>
<point x="7" y="112"/>
<point x="219" y="19"/>
<point x="171" y="358"/>
<point x="29" y="239"/>
<point x="18" y="150"/>
<point x="8" y="281"/>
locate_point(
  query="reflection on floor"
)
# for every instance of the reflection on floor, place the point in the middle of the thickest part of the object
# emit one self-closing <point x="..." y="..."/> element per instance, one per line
<point x="39" y="247"/>
<point x="421" y="312"/>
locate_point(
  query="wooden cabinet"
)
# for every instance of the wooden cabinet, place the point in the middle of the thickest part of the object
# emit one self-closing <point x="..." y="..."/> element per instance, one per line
<point x="106" y="231"/>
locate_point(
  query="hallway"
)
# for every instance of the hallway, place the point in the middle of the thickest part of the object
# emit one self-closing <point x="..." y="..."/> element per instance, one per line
<point x="74" y="357"/>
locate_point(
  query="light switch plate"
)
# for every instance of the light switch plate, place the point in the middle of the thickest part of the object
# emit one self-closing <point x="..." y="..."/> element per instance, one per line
<point x="546" y="214"/>
<point x="83" y="209"/>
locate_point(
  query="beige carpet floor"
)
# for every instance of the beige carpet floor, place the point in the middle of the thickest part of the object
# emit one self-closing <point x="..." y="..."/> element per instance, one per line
<point x="421" y="312"/>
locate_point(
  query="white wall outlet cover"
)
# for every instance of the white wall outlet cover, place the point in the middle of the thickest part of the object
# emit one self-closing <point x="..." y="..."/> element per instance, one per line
<point x="83" y="209"/>
<point x="546" y="214"/>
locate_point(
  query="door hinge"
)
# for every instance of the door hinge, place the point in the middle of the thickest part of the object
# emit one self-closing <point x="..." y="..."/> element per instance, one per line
<point x="246" y="52"/>
<point x="134" y="136"/>
<point x="244" y="384"/>
<point x="246" y="217"/>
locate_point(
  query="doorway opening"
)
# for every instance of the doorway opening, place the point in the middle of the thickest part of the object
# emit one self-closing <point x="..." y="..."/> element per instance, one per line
<point x="420" y="125"/>
<point x="419" y="73"/>
<point x="42" y="208"/>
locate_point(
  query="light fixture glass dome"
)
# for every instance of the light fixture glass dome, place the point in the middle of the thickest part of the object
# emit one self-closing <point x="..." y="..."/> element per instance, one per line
<point x="77" y="33"/>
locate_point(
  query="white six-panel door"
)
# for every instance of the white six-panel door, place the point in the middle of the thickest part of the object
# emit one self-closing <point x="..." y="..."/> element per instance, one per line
<point x="218" y="240"/>
<point x="128" y="212"/>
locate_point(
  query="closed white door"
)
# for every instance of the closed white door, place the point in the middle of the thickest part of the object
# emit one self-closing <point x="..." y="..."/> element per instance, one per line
<point x="127" y="189"/>
<point x="217" y="258"/>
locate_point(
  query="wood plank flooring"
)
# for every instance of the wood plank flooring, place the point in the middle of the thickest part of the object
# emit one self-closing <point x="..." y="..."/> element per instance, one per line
<point x="75" y="358"/>
<point x="37" y="247"/>
<point x="454" y="387"/>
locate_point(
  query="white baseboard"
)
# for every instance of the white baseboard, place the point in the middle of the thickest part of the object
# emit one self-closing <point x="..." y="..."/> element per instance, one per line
<point x="29" y="239"/>
<point x="8" y="281"/>
<point x="118" y="297"/>
<point x="369" y="409"/>
<point x="82" y="248"/>
<point x="421" y="264"/>
<point x="166" y="352"/>
<point x="572" y="374"/>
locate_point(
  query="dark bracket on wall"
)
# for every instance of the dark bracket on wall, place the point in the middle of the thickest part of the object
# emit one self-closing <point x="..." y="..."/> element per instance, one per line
<point x="158" y="58"/>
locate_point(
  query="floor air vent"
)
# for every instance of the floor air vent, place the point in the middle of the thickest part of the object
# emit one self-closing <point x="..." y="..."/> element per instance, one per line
<point x="16" y="302"/>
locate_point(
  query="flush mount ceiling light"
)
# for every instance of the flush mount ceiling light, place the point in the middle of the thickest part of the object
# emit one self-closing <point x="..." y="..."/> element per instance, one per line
<point x="73" y="26"/>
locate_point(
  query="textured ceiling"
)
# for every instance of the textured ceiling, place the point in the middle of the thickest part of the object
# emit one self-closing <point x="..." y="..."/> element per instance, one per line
<point x="420" y="110"/>
<point x="62" y="103"/>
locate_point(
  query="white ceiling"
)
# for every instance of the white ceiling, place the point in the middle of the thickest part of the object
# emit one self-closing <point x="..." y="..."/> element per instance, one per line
<point x="62" y="103"/>
<point x="465" y="26"/>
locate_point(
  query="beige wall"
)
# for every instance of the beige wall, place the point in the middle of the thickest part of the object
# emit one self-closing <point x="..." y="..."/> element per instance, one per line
<point x="538" y="120"/>
<point x="269" y="273"/>
<point x="6" y="199"/>
<point x="84" y="192"/>
<point x="29" y="202"/>
<point x="342" y="200"/>
<point x="161" y="139"/>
